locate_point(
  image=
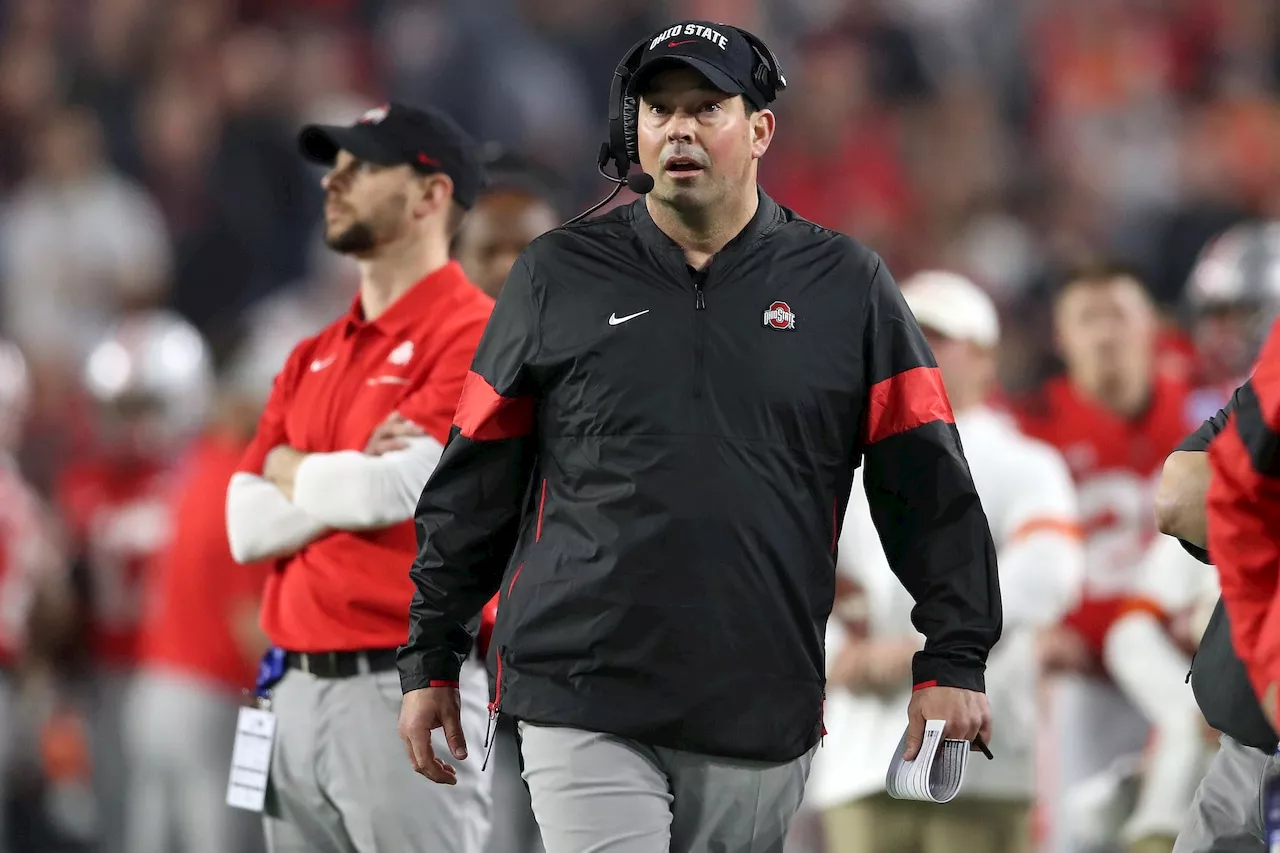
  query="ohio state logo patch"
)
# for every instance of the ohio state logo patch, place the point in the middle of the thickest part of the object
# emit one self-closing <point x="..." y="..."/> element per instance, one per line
<point x="779" y="316"/>
<point x="402" y="353"/>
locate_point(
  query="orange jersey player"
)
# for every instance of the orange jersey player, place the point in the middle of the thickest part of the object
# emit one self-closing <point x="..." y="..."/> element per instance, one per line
<point x="1118" y="674"/>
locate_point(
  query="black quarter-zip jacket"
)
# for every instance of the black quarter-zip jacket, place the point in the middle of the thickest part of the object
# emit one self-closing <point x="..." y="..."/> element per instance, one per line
<point x="652" y="466"/>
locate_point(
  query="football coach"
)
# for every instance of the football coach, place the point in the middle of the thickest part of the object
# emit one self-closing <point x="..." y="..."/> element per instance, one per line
<point x="651" y="459"/>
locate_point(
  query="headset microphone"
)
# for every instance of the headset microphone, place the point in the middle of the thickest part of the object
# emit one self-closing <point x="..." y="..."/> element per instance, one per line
<point x="639" y="183"/>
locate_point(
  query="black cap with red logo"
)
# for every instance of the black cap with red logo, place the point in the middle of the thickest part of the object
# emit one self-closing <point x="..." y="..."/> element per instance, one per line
<point x="720" y="53"/>
<point x="394" y="134"/>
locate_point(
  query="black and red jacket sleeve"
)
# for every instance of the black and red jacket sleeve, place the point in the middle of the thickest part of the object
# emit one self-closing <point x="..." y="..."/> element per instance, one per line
<point x="1243" y="508"/>
<point x="468" y="515"/>
<point x="923" y="501"/>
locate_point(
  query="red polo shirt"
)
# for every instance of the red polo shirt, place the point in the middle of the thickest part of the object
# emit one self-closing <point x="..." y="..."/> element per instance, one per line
<point x="351" y="590"/>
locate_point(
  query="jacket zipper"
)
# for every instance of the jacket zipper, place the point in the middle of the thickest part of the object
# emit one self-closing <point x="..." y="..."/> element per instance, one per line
<point x="699" y="305"/>
<point x="496" y="704"/>
<point x="497" y="691"/>
<point x="493" y="706"/>
<point x="822" y="717"/>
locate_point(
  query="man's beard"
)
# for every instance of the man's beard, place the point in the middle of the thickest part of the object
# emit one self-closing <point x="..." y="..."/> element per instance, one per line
<point x="357" y="239"/>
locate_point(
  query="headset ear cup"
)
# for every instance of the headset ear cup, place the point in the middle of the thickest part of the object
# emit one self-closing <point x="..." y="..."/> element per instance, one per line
<point x="630" y="117"/>
<point x="763" y="78"/>
<point x="767" y="73"/>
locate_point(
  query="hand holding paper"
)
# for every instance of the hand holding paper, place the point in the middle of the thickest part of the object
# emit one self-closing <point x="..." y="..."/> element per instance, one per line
<point x="937" y="771"/>
<point x="966" y="712"/>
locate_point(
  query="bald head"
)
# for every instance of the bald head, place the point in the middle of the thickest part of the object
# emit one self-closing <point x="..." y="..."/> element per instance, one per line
<point x="496" y="230"/>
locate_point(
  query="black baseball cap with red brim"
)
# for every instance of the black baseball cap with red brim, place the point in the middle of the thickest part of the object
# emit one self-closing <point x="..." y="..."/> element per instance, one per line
<point x="394" y="134"/>
<point x="717" y="52"/>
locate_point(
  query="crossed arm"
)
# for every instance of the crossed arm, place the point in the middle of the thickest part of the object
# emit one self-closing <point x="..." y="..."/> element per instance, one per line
<point x="300" y="497"/>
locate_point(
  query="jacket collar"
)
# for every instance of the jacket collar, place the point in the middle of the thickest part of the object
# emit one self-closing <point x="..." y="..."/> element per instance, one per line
<point x="767" y="217"/>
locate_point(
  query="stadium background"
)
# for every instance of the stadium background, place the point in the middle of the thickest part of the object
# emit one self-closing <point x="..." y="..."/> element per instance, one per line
<point x="147" y="155"/>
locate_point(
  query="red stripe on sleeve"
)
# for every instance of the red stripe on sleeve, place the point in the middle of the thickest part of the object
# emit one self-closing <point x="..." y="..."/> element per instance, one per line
<point x="442" y="684"/>
<point x="485" y="415"/>
<point x="903" y="402"/>
<point x="922" y="685"/>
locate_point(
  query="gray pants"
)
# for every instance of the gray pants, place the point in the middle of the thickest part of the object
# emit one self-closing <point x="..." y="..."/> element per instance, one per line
<point x="1226" y="815"/>
<point x="596" y="793"/>
<point x="514" y="828"/>
<point x="341" y="781"/>
<point x="178" y="734"/>
<point x="109" y="690"/>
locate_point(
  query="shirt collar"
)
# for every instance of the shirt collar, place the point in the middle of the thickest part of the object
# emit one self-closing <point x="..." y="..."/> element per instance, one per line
<point x="767" y="217"/>
<point x="431" y="297"/>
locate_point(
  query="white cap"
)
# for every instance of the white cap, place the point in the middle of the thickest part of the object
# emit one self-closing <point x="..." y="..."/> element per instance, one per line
<point x="952" y="306"/>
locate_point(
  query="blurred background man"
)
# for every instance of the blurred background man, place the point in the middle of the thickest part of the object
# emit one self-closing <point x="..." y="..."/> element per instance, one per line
<point x="518" y="205"/>
<point x="1117" y="674"/>
<point x="148" y="160"/>
<point x="200" y="640"/>
<point x="1031" y="505"/>
<point x="1233" y="295"/>
<point x="151" y="379"/>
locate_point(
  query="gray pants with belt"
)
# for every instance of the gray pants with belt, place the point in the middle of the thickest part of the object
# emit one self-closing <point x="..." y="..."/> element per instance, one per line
<point x="341" y="781"/>
<point x="597" y="793"/>
<point x="1226" y="815"/>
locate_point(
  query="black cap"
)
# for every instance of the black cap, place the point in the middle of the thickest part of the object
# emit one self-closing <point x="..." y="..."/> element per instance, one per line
<point x="719" y="52"/>
<point x="394" y="134"/>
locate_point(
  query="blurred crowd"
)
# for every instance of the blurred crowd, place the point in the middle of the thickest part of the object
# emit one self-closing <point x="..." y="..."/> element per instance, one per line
<point x="148" y="161"/>
<point x="148" y="154"/>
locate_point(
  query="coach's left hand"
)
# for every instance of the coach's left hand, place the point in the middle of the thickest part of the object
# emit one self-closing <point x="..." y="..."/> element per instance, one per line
<point x="967" y="713"/>
<point x="422" y="711"/>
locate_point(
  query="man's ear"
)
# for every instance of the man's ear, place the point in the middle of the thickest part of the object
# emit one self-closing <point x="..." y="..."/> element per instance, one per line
<point x="762" y="127"/>
<point x="436" y="193"/>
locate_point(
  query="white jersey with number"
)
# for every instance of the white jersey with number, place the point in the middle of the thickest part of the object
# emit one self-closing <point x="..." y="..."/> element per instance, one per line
<point x="1031" y="506"/>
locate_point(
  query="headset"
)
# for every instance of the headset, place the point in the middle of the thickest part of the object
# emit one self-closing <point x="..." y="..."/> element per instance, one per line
<point x="622" y="148"/>
<point x="624" y="107"/>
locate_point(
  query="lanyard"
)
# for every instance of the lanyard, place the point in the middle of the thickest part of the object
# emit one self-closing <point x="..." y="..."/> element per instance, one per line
<point x="270" y="670"/>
